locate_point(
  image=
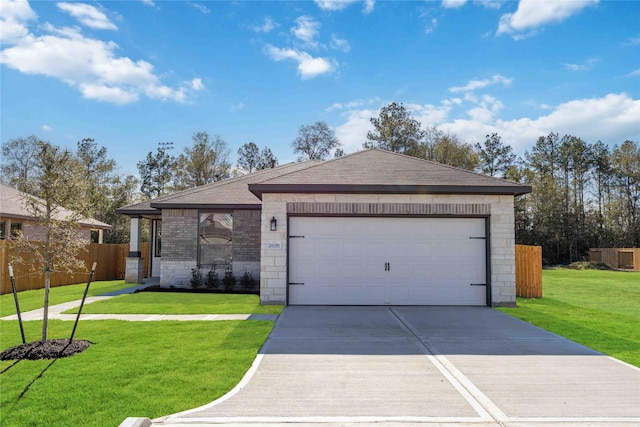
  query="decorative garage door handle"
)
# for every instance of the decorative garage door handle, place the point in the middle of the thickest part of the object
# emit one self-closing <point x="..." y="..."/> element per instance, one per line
<point x="387" y="266"/>
<point x="297" y="283"/>
<point x="478" y="284"/>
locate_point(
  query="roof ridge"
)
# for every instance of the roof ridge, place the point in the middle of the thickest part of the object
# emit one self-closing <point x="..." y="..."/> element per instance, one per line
<point x="226" y="181"/>
<point x="316" y="163"/>
<point x="445" y="165"/>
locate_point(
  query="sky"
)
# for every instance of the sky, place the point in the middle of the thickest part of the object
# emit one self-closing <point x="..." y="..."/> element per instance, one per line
<point x="132" y="74"/>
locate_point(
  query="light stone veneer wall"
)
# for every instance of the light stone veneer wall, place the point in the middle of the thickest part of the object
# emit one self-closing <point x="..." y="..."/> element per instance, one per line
<point x="273" y="262"/>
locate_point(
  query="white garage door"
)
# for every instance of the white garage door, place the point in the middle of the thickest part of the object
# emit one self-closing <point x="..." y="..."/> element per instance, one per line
<point x="387" y="261"/>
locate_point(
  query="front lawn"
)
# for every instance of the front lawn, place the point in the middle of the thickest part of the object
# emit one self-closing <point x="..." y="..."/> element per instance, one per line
<point x="34" y="299"/>
<point x="132" y="369"/>
<point x="180" y="303"/>
<point x="599" y="309"/>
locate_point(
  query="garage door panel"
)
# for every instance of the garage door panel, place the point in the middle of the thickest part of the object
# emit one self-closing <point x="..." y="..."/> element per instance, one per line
<point x="342" y="261"/>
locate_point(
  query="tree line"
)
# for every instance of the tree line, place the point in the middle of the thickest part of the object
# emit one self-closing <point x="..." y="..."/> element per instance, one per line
<point x="584" y="194"/>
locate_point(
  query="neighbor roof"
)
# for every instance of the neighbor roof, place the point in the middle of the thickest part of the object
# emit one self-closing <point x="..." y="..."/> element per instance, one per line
<point x="380" y="171"/>
<point x="227" y="194"/>
<point x="12" y="206"/>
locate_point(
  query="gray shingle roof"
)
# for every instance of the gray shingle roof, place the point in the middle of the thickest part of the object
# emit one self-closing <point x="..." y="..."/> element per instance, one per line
<point x="380" y="171"/>
<point x="373" y="170"/>
<point x="229" y="193"/>
<point x="12" y="206"/>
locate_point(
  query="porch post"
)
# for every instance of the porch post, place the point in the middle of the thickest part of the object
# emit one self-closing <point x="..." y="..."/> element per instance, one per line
<point x="135" y="262"/>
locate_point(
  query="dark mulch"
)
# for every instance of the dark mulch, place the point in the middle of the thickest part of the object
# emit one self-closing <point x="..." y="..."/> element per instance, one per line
<point x="158" y="288"/>
<point x="50" y="349"/>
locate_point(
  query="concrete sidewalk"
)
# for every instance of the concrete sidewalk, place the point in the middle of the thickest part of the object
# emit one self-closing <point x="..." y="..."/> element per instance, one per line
<point x="55" y="312"/>
<point x="422" y="366"/>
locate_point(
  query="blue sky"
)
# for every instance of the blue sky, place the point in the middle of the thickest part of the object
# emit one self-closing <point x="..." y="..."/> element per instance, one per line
<point x="131" y="74"/>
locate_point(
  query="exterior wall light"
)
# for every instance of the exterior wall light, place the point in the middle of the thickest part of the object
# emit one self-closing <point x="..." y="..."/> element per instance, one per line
<point x="274" y="224"/>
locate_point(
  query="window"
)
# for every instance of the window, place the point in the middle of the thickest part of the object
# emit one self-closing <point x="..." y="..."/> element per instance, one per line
<point x="16" y="229"/>
<point x="215" y="238"/>
<point x="2" y="229"/>
<point x="157" y="230"/>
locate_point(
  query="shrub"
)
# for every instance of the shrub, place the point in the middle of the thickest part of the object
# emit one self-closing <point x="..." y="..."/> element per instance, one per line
<point x="229" y="280"/>
<point x="247" y="282"/>
<point x="196" y="278"/>
<point x="213" y="281"/>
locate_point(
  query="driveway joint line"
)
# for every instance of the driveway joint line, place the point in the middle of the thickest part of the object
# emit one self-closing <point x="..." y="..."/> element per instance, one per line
<point x="478" y="400"/>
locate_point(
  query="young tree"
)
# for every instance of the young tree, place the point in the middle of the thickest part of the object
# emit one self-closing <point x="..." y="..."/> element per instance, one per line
<point x="206" y="161"/>
<point x="396" y="130"/>
<point x="56" y="200"/>
<point x="248" y="157"/>
<point x="339" y="153"/>
<point x="157" y="171"/>
<point x="494" y="157"/>
<point x="266" y="160"/>
<point x="19" y="162"/>
<point x="315" y="142"/>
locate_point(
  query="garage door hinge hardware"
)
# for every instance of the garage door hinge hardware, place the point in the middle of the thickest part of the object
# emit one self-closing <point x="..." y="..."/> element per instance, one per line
<point x="478" y="284"/>
<point x="297" y="283"/>
<point x="481" y="238"/>
<point x="296" y="237"/>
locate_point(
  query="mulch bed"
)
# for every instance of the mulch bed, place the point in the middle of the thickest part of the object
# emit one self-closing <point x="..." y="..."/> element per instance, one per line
<point x="50" y="349"/>
<point x="158" y="288"/>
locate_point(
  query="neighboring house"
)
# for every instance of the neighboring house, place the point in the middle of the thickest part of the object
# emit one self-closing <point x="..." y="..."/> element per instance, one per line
<point x="370" y="228"/>
<point x="15" y="218"/>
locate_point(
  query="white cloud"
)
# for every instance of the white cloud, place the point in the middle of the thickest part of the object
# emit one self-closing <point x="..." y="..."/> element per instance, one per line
<point x="478" y="84"/>
<point x="88" y="15"/>
<point x="197" y="85"/>
<point x="431" y="26"/>
<point x="353" y="133"/>
<point x="308" y="66"/>
<point x="202" y="8"/>
<point x="14" y="18"/>
<point x="237" y="107"/>
<point x="340" y="44"/>
<point x="333" y="5"/>
<point x="633" y="41"/>
<point x="453" y="4"/>
<point x="634" y="73"/>
<point x="368" y="6"/>
<point x="47" y="128"/>
<point x="90" y="65"/>
<point x="266" y="26"/>
<point x="611" y="119"/>
<point x="148" y="2"/>
<point x="587" y="65"/>
<point x="306" y="29"/>
<point x="532" y="14"/>
<point x="491" y="4"/>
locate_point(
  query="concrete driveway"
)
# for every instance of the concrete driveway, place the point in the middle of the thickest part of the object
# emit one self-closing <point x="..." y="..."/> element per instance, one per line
<point x="433" y="365"/>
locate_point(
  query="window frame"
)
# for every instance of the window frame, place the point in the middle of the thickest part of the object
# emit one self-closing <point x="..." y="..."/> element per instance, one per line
<point x="213" y="265"/>
<point x="15" y="227"/>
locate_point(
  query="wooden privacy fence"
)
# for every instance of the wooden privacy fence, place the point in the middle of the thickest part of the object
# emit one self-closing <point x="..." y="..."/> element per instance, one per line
<point x="529" y="271"/>
<point x="618" y="258"/>
<point x="111" y="261"/>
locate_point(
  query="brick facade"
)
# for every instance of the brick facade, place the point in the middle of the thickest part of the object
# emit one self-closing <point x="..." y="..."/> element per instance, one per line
<point x="180" y="245"/>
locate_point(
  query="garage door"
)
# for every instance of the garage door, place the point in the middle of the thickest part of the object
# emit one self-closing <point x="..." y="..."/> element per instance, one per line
<point x="387" y="261"/>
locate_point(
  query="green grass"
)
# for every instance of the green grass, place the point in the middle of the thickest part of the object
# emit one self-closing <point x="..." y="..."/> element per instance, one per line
<point x="132" y="369"/>
<point x="180" y="303"/>
<point x="599" y="309"/>
<point x="34" y="299"/>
